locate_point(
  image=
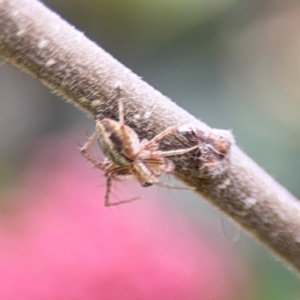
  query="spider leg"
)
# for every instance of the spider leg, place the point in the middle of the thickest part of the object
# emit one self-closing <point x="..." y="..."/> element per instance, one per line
<point x="176" y="187"/>
<point x="125" y="131"/>
<point x="144" y="175"/>
<point x="159" y="137"/>
<point x="121" y="113"/>
<point x="113" y="174"/>
<point x="175" y="152"/>
<point x="87" y="156"/>
<point x="160" y="165"/>
<point x="122" y="124"/>
<point x="88" y="143"/>
<point x="121" y="107"/>
<point x="108" y="190"/>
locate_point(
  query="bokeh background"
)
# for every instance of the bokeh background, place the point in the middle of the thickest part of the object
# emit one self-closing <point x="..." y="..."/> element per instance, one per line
<point x="233" y="63"/>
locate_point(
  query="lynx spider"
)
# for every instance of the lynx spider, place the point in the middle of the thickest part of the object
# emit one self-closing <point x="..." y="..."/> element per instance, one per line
<point x="127" y="156"/>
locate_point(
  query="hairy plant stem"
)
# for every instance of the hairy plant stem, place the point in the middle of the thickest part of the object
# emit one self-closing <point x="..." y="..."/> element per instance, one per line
<point x="40" y="43"/>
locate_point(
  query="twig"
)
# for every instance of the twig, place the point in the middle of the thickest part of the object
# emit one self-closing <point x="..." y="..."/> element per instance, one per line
<point x="40" y="43"/>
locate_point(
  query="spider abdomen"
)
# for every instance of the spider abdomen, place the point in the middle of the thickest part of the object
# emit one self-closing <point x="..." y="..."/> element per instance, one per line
<point x="113" y="144"/>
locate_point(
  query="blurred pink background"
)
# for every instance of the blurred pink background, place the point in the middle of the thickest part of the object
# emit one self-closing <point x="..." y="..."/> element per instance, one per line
<point x="58" y="241"/>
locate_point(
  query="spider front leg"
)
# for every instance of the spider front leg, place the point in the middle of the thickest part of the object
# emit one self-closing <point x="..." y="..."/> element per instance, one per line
<point x="113" y="174"/>
<point x="175" y="152"/>
<point x="108" y="189"/>
<point x="87" y="156"/>
<point x="126" y="134"/>
<point x="154" y="140"/>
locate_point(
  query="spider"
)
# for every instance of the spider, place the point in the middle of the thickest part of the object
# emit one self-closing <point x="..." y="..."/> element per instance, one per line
<point x="127" y="156"/>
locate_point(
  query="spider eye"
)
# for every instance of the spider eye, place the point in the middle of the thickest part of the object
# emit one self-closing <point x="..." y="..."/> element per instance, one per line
<point x="147" y="183"/>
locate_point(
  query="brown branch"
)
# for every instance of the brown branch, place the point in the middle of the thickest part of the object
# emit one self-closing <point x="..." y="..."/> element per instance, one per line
<point x="40" y="43"/>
